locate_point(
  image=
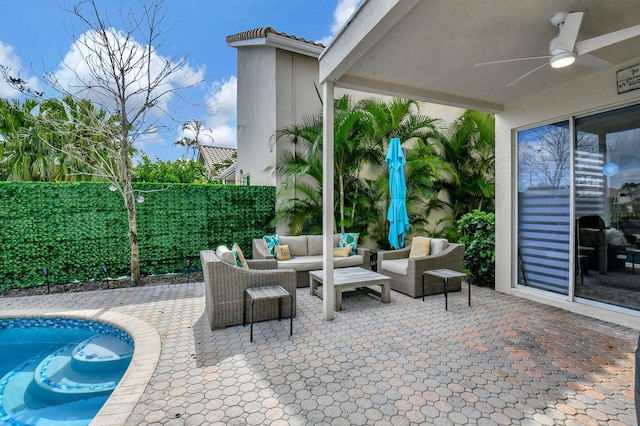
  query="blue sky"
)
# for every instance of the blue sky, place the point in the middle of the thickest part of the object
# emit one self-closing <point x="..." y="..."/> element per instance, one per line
<point x="37" y="35"/>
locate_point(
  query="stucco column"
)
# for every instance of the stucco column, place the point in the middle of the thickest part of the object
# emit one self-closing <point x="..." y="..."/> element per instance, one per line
<point x="327" y="200"/>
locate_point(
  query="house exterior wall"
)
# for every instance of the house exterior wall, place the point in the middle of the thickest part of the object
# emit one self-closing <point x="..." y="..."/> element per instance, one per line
<point x="256" y="113"/>
<point x="275" y="89"/>
<point x="595" y="93"/>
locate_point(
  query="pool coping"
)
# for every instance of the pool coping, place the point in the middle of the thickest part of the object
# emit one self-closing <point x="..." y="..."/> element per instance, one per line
<point x="146" y="354"/>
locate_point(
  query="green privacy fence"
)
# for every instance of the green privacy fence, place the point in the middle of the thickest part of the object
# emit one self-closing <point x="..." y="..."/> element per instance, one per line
<point x="76" y="229"/>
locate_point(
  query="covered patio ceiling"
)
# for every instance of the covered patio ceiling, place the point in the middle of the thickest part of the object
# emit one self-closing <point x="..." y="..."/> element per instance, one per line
<point x="426" y="49"/>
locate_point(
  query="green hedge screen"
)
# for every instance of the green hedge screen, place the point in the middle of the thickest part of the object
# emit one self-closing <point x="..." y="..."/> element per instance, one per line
<point x="73" y="229"/>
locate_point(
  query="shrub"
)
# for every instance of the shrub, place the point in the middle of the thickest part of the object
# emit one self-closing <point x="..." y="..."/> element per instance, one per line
<point x="477" y="233"/>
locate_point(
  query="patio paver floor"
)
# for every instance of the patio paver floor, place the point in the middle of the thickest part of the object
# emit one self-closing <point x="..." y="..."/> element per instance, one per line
<point x="502" y="361"/>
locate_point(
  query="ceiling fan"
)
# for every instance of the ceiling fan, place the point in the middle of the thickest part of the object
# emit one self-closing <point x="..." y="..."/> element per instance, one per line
<point x="564" y="50"/>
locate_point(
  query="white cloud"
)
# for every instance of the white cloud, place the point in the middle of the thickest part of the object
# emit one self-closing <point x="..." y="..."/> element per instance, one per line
<point x="219" y="127"/>
<point x="9" y="59"/>
<point x="80" y="72"/>
<point x="222" y="105"/>
<point x="344" y="10"/>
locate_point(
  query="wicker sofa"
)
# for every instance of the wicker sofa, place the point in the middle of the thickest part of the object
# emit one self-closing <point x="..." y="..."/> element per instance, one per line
<point x="306" y="252"/>
<point x="395" y="263"/>
<point x="225" y="285"/>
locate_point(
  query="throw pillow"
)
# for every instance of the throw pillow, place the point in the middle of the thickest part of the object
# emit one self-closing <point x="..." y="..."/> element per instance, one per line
<point x="282" y="252"/>
<point x="240" y="260"/>
<point x="270" y="243"/>
<point x="420" y="247"/>
<point x="438" y="244"/>
<point x="341" y="251"/>
<point x="349" y="240"/>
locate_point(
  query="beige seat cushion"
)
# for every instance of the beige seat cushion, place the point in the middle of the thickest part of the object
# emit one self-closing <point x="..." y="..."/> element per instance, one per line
<point x="396" y="266"/>
<point x="302" y="263"/>
<point x="314" y="245"/>
<point x="297" y="244"/>
<point x="353" y="260"/>
<point x="313" y="263"/>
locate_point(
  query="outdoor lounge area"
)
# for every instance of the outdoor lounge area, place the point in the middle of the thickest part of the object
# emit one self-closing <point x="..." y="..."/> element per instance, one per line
<point x="503" y="361"/>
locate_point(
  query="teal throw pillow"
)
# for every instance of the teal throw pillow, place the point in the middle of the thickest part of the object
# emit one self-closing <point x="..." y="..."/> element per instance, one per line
<point x="270" y="243"/>
<point x="349" y="240"/>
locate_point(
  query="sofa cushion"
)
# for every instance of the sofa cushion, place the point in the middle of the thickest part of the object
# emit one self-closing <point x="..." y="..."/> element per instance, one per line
<point x="314" y="245"/>
<point x="420" y="247"/>
<point x="282" y="252"/>
<point x="313" y="263"/>
<point x="349" y="239"/>
<point x="302" y="263"/>
<point x="438" y="245"/>
<point x="270" y="242"/>
<point x="239" y="255"/>
<point x="226" y="255"/>
<point x="343" y="262"/>
<point x="396" y="266"/>
<point x="297" y="244"/>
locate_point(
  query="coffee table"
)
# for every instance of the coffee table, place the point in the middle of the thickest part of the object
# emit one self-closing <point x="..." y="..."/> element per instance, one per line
<point x="351" y="278"/>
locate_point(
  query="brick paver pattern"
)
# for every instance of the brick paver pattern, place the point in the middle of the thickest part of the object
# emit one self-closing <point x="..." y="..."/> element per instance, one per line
<point x="502" y="361"/>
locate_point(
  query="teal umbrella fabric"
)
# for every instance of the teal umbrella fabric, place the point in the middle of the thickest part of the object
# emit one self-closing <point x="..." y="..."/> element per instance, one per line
<point x="397" y="213"/>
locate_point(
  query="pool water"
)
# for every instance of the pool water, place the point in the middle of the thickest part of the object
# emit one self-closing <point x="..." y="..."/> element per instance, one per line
<point x="58" y="371"/>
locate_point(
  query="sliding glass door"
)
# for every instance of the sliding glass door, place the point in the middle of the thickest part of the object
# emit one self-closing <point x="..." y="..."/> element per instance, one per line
<point x="544" y="218"/>
<point x="604" y="150"/>
<point x="607" y="196"/>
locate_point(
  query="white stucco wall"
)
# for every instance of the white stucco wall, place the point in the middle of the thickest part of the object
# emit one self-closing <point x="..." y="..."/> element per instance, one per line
<point x="296" y="97"/>
<point x="256" y="112"/>
<point x="594" y="93"/>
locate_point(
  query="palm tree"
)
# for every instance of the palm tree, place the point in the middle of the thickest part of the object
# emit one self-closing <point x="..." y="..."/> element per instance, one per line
<point x="362" y="133"/>
<point x="51" y="140"/>
<point x="300" y="170"/>
<point x="22" y="155"/>
<point x="469" y="149"/>
<point x="193" y="143"/>
<point x="401" y="118"/>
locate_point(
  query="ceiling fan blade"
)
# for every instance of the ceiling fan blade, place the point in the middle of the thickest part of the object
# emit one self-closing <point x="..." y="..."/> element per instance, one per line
<point x="511" y="60"/>
<point x="523" y="76"/>
<point x="569" y="31"/>
<point x="591" y="61"/>
<point x="604" y="40"/>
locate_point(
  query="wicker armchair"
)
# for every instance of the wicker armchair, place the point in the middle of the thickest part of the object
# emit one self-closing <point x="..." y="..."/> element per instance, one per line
<point x="411" y="283"/>
<point x="225" y="285"/>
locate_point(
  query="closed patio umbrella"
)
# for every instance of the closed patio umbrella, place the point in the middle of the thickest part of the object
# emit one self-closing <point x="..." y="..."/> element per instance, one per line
<point x="397" y="213"/>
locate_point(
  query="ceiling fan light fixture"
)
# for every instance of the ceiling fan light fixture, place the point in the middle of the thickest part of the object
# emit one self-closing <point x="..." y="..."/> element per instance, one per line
<point x="562" y="59"/>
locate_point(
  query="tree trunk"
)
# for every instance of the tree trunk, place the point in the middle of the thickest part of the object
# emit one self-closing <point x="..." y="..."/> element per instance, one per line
<point x="124" y="170"/>
<point x="130" y="204"/>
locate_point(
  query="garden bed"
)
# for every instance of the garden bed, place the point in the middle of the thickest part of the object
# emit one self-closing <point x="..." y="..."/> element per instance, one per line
<point x="195" y="276"/>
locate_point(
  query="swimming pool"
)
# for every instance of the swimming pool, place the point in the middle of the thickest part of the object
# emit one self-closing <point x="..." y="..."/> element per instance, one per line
<point x="58" y="371"/>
